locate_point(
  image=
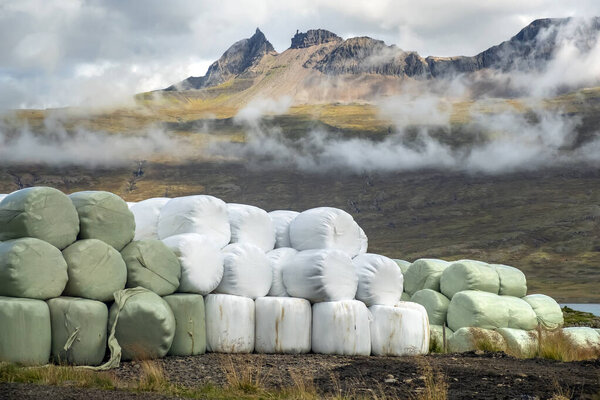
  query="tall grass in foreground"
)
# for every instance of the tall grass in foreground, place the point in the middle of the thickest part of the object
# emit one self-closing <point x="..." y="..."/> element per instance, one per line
<point x="556" y="345"/>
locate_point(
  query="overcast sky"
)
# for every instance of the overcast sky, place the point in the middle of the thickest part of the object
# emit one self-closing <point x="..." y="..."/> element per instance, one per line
<point x="74" y="52"/>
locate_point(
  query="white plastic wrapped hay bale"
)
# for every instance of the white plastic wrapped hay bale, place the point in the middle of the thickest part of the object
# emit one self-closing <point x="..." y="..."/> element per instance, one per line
<point x="399" y="330"/>
<point x="520" y="343"/>
<point x="131" y="204"/>
<point x="283" y="325"/>
<point x="547" y="310"/>
<point x="78" y="330"/>
<point x="326" y="228"/>
<point x="582" y="337"/>
<point x="379" y="279"/>
<point x="512" y="281"/>
<point x="281" y="223"/>
<point x="435" y="303"/>
<point x="146" y="214"/>
<point x="364" y="241"/>
<point x="469" y="275"/>
<point x="246" y="271"/>
<point x="424" y="273"/>
<point x="252" y="225"/>
<point x="321" y="275"/>
<point x="230" y="324"/>
<point x="278" y="259"/>
<point x="201" y="262"/>
<point x="341" y="327"/>
<point x="25" y="333"/>
<point x="205" y="215"/>
<point x="190" y="324"/>
<point x="2" y="196"/>
<point x="469" y="339"/>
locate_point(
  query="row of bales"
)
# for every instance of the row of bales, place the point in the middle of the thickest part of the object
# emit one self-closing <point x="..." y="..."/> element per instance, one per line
<point x="89" y="279"/>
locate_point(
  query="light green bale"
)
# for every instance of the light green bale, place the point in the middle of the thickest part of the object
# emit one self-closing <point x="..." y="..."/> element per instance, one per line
<point x="405" y="297"/>
<point x="424" y="273"/>
<point x="104" y="216"/>
<point x="403" y="265"/>
<point x="583" y="337"/>
<point x="190" y="330"/>
<point x="436" y="337"/>
<point x="512" y="281"/>
<point x="25" y="334"/>
<point x="78" y="330"/>
<point x="39" y="212"/>
<point x="547" y="310"/>
<point x="469" y="275"/>
<point x="435" y="303"/>
<point x="519" y="342"/>
<point x="469" y="339"/>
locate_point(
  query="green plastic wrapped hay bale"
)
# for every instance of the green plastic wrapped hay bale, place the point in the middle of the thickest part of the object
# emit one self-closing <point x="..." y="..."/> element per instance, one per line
<point x="435" y="303"/>
<point x="96" y="270"/>
<point x="25" y="336"/>
<point x="547" y="310"/>
<point x="39" y="212"/>
<point x="583" y="336"/>
<point x="512" y="281"/>
<point x="424" y="273"/>
<point x="104" y="216"/>
<point x="520" y="343"/>
<point x="469" y="275"/>
<point x="190" y="330"/>
<point x="469" y="339"/>
<point x="403" y="265"/>
<point x="405" y="297"/>
<point x="78" y="330"/>
<point x="143" y="323"/>
<point x="436" y="337"/>
<point x="31" y="268"/>
<point x="152" y="265"/>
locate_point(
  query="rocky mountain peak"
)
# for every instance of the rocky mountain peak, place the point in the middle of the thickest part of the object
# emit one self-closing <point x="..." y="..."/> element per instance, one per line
<point x="313" y="37"/>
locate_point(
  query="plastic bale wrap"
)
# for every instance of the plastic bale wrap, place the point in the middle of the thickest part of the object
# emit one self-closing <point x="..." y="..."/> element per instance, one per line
<point x="190" y="324"/>
<point x="229" y="324"/>
<point x="379" y="279"/>
<point x="404" y="265"/>
<point x="520" y="343"/>
<point x="283" y="325"/>
<point x="143" y="323"/>
<point x="469" y="275"/>
<point x="436" y="337"/>
<point x="583" y="337"/>
<point x="341" y="327"/>
<point x="547" y="310"/>
<point x="281" y="223"/>
<point x="146" y="214"/>
<point x="399" y="330"/>
<point x="278" y="258"/>
<point x="252" y="225"/>
<point x="104" y="216"/>
<point x="470" y="338"/>
<point x="152" y="265"/>
<point x="131" y="204"/>
<point x="96" y="270"/>
<point x="25" y="333"/>
<point x="326" y="228"/>
<point x="205" y="215"/>
<point x="246" y="271"/>
<point x="405" y="297"/>
<point x="78" y="330"/>
<point x="2" y="196"/>
<point x="424" y="273"/>
<point x="321" y="275"/>
<point x="364" y="241"/>
<point x="512" y="281"/>
<point x="31" y="268"/>
<point x="201" y="262"/>
<point x="39" y="212"/>
<point x="435" y="303"/>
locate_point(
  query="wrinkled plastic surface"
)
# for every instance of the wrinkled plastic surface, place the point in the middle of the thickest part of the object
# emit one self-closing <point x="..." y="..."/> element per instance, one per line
<point x="278" y="258"/>
<point x="246" y="271"/>
<point x="512" y="281"/>
<point x="229" y="324"/>
<point x="96" y="270"/>
<point x="152" y="265"/>
<point x="399" y="330"/>
<point x="281" y="223"/>
<point x="205" y="215"/>
<point x="78" y="330"/>
<point x="190" y="324"/>
<point x="469" y="339"/>
<point x="364" y="241"/>
<point x="404" y="265"/>
<point x="583" y="336"/>
<point x="520" y="343"/>
<point x="380" y="280"/>
<point x="469" y="275"/>
<point x="31" y="268"/>
<point x="424" y="273"/>
<point x="251" y="225"/>
<point x="283" y="325"/>
<point x="435" y="303"/>
<point x="341" y="327"/>
<point x="547" y="310"/>
<point x="39" y="212"/>
<point x="321" y="275"/>
<point x="326" y="228"/>
<point x="201" y="262"/>
<point x="25" y="333"/>
<point x="146" y="214"/>
<point x="104" y="216"/>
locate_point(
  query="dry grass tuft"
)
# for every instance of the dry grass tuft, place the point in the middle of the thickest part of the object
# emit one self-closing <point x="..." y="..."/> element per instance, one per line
<point x="57" y="375"/>
<point x="246" y="377"/>
<point x="436" y="384"/>
<point x="152" y="378"/>
<point x="556" y="345"/>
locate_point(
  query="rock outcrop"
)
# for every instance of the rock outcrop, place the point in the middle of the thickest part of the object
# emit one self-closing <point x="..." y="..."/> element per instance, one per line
<point x="313" y="37"/>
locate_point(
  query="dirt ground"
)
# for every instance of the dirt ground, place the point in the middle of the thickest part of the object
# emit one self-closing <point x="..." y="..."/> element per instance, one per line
<point x="470" y="376"/>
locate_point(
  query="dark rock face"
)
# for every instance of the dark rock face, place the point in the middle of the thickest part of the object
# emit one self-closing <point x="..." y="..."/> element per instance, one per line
<point x="313" y="37"/>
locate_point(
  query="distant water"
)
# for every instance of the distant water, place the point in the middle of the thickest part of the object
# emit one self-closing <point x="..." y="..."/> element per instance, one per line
<point x="591" y="308"/>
